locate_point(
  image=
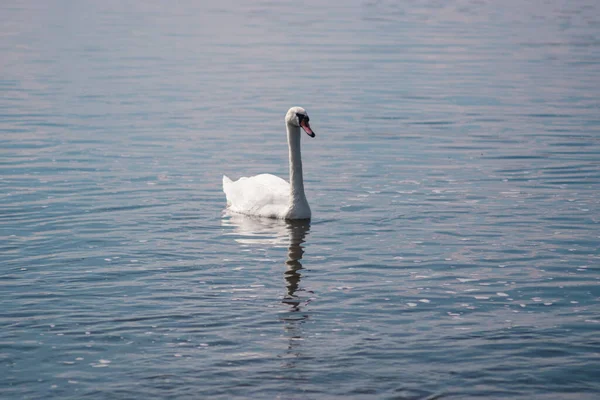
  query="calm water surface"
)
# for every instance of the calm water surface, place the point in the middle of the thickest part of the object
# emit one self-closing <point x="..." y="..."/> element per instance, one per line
<point x="454" y="251"/>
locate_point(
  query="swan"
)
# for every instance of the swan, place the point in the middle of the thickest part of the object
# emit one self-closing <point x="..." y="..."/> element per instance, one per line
<point x="267" y="195"/>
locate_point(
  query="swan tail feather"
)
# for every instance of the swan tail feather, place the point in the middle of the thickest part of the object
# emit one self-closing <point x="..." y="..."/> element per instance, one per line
<point x="226" y="183"/>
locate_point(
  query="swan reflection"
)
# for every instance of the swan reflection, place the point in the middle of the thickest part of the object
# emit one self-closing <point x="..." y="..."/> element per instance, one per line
<point x="277" y="233"/>
<point x="261" y="231"/>
<point x="297" y="233"/>
<point x="249" y="230"/>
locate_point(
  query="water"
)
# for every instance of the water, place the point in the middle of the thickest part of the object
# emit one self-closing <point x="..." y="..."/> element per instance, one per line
<point x="454" y="179"/>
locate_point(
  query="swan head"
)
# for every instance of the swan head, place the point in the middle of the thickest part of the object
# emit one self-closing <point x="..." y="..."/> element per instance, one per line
<point x="297" y="116"/>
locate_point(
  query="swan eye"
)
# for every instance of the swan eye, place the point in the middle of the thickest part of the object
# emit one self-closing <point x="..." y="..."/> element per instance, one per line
<point x="302" y="117"/>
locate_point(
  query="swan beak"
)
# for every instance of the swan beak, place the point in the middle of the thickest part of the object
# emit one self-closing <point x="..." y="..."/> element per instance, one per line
<point x="304" y="124"/>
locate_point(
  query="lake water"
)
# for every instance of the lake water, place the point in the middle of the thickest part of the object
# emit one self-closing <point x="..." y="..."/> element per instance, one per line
<point x="454" y="250"/>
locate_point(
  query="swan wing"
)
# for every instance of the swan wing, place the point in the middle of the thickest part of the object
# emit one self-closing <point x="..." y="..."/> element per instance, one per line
<point x="263" y="195"/>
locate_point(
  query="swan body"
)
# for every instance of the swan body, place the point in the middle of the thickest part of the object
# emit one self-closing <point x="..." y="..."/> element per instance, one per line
<point x="267" y="195"/>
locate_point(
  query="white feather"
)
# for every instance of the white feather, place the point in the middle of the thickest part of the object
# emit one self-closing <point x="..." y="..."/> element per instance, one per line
<point x="267" y="195"/>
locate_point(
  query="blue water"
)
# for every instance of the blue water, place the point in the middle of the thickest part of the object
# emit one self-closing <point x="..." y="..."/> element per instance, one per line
<point x="454" y="250"/>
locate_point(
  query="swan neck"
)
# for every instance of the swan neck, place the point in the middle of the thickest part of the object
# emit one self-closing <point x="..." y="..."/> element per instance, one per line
<point x="297" y="195"/>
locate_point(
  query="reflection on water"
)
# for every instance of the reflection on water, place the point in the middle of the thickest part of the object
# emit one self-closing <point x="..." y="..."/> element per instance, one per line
<point x="261" y="231"/>
<point x="297" y="231"/>
<point x="249" y="230"/>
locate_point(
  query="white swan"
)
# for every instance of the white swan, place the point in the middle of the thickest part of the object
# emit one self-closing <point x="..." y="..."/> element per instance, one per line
<point x="267" y="195"/>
